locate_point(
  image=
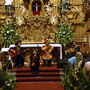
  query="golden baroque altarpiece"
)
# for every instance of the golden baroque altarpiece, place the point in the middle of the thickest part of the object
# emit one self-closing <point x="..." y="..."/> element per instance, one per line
<point x="49" y="14"/>
<point x="35" y="26"/>
<point x="37" y="19"/>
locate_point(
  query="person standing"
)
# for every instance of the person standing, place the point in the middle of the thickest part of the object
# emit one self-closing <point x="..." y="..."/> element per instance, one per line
<point x="75" y="46"/>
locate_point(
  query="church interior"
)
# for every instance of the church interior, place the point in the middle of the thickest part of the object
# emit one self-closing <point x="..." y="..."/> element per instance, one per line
<point x="57" y="31"/>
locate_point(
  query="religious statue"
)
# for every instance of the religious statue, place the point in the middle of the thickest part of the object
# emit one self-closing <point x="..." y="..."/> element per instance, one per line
<point x="53" y="20"/>
<point x="36" y="7"/>
<point x="65" y="5"/>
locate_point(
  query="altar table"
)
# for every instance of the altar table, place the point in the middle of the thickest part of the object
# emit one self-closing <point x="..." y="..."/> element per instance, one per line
<point x="35" y="46"/>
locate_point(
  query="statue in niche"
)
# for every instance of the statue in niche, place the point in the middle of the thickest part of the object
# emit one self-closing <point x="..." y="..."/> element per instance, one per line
<point x="36" y="8"/>
<point x="48" y="8"/>
<point x="65" y="5"/>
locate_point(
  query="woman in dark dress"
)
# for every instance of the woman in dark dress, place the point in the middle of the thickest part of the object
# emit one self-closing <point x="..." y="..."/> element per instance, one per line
<point x="34" y="64"/>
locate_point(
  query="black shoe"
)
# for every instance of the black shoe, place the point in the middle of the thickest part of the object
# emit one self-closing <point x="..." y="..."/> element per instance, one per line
<point x="17" y="66"/>
<point x="21" y="65"/>
<point x="44" y="65"/>
<point x="36" y="72"/>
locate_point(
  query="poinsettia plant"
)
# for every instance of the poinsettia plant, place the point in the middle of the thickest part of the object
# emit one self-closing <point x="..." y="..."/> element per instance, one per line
<point x="9" y="35"/>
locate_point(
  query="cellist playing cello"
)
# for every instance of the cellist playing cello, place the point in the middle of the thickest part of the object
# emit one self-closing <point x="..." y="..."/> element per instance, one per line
<point x="47" y="56"/>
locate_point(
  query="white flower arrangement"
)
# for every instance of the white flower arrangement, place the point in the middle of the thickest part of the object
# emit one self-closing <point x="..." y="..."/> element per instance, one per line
<point x="64" y="34"/>
<point x="7" y="31"/>
<point x="9" y="35"/>
<point x="12" y="30"/>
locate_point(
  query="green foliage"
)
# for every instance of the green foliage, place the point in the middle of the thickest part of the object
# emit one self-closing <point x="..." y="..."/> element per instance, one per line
<point x="75" y="78"/>
<point x="64" y="34"/>
<point x="9" y="35"/>
<point x="7" y="81"/>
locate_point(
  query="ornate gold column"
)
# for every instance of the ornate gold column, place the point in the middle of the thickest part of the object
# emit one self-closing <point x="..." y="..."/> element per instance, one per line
<point x="2" y="12"/>
<point x="2" y="15"/>
<point x="88" y="40"/>
<point x="16" y="4"/>
<point x="76" y="16"/>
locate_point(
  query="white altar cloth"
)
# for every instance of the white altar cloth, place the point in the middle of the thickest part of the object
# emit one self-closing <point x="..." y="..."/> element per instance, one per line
<point x="33" y="45"/>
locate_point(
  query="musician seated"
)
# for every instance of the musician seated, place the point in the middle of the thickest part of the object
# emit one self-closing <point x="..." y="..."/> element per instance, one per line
<point x="34" y="64"/>
<point x="17" y="54"/>
<point x="47" y="56"/>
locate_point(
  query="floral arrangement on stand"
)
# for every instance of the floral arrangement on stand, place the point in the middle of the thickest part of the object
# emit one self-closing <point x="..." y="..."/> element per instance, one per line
<point x="7" y="81"/>
<point x="76" y="80"/>
<point x="64" y="34"/>
<point x="9" y="35"/>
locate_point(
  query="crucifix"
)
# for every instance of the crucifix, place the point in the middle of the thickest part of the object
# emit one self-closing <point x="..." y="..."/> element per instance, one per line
<point x="37" y="7"/>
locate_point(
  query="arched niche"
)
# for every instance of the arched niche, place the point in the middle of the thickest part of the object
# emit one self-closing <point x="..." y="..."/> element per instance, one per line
<point x="40" y="7"/>
<point x="36" y="7"/>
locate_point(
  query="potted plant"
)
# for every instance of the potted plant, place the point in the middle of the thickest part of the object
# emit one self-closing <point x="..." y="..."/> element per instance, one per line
<point x="7" y="81"/>
<point x="76" y="80"/>
<point x="64" y="34"/>
<point x="9" y="35"/>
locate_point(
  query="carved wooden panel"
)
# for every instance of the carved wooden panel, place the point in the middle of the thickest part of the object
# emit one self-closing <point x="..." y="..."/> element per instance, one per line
<point x="37" y="29"/>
